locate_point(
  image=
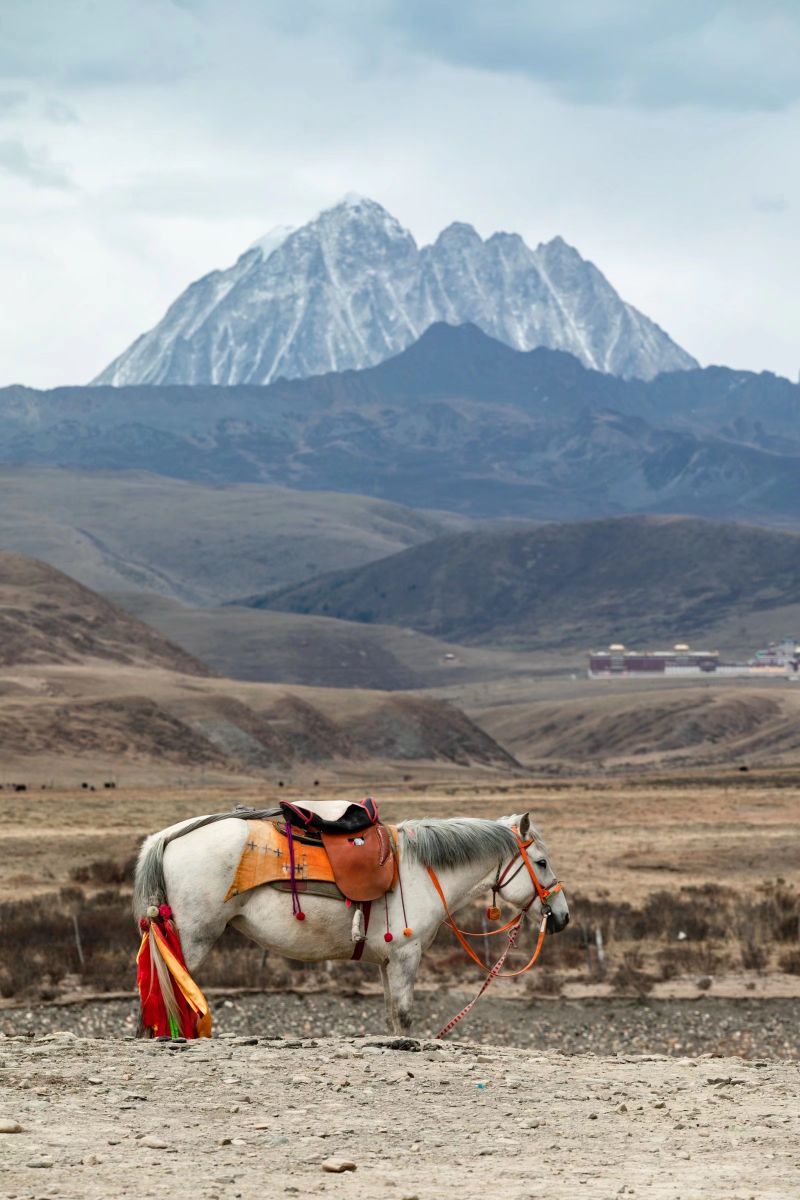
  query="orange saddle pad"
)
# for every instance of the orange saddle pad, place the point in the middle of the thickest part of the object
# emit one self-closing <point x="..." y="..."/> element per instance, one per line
<point x="265" y="859"/>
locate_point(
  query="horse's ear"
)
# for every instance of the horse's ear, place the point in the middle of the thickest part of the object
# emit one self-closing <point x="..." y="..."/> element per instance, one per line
<point x="525" y="825"/>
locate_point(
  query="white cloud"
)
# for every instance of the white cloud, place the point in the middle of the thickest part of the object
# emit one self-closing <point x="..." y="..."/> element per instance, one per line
<point x="34" y="166"/>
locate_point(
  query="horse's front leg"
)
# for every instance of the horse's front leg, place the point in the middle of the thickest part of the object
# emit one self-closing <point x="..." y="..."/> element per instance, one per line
<point x="387" y="998"/>
<point x="399" y="976"/>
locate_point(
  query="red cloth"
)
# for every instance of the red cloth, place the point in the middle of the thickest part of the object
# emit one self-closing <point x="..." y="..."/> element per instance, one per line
<point x="154" y="1010"/>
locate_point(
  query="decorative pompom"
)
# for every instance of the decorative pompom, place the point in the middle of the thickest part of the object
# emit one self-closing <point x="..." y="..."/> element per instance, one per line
<point x="300" y="916"/>
<point x="388" y="937"/>
<point x="144" y="924"/>
<point x="407" y="932"/>
<point x="152" y="912"/>
<point x="164" y="911"/>
<point x="493" y="913"/>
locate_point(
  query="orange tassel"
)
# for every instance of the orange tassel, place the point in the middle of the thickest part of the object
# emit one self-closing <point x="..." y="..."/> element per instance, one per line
<point x="407" y="932"/>
<point x="493" y="913"/>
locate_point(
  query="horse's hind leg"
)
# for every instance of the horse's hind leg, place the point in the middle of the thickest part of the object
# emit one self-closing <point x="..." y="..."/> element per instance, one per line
<point x="197" y="941"/>
<point x="399" y="975"/>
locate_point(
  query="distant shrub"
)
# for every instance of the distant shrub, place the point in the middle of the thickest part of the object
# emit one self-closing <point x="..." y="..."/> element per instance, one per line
<point x="105" y="870"/>
<point x="630" y="976"/>
<point x="789" y="961"/>
<point x="753" y="955"/>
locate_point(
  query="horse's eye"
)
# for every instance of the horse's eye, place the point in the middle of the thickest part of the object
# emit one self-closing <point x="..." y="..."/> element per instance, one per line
<point x="541" y="862"/>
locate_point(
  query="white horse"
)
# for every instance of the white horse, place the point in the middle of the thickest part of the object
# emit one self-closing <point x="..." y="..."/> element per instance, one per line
<point x="192" y="872"/>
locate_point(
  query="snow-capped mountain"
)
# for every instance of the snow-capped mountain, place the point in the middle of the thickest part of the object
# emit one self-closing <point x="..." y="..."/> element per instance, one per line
<point x="352" y="288"/>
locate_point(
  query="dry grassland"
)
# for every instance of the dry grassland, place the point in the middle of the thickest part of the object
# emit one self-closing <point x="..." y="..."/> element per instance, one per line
<point x="640" y="861"/>
<point x="626" y="836"/>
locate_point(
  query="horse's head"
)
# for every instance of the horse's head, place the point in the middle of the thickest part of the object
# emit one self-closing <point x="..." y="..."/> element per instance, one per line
<point x="527" y="879"/>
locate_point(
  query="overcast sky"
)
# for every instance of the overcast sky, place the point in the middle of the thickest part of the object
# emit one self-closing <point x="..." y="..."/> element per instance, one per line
<point x="145" y="142"/>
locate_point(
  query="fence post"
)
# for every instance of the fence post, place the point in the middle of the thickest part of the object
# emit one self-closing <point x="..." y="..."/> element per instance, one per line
<point x="601" y="954"/>
<point x="78" y="945"/>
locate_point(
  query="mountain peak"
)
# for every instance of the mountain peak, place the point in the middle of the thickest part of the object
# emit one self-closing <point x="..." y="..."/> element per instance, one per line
<point x="355" y="207"/>
<point x="356" y="200"/>
<point x="459" y="233"/>
<point x="271" y="240"/>
<point x="351" y="288"/>
<point x="443" y="334"/>
<point x="558" y="248"/>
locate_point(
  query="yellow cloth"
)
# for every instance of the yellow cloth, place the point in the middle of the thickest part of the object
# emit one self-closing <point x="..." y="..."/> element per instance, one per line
<point x="265" y="859"/>
<point x="191" y="992"/>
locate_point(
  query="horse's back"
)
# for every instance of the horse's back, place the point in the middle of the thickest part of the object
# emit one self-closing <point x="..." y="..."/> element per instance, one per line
<point x="199" y="865"/>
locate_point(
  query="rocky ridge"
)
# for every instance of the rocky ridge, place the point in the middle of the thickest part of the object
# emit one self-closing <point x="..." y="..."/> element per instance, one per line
<point x="352" y="288"/>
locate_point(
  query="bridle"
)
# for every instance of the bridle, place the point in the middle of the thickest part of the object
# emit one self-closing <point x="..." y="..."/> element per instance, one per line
<point x="503" y="879"/>
<point x="512" y="927"/>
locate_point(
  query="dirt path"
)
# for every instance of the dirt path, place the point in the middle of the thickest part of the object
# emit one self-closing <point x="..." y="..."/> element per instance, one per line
<point x="251" y="1118"/>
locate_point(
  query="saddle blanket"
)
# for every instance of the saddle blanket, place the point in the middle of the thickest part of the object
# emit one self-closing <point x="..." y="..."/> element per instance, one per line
<point x="265" y="859"/>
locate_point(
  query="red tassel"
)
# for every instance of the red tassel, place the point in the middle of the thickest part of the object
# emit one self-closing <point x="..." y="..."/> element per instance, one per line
<point x="300" y="916"/>
<point x="388" y="937"/>
<point x="154" y="1010"/>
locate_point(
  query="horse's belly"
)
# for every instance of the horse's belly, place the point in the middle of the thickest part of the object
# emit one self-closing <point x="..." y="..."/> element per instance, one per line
<point x="324" y="933"/>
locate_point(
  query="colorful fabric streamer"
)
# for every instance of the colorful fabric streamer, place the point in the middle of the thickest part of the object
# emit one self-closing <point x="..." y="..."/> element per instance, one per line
<point x="184" y="1012"/>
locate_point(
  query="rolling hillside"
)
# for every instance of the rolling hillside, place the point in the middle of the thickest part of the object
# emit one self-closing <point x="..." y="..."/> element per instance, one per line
<point x="200" y="543"/>
<point x="134" y="724"/>
<point x="48" y="618"/>
<point x="631" y="579"/>
<point x="263" y="645"/>
<point x="458" y="421"/>
<point x="646" y="725"/>
<point x="86" y="687"/>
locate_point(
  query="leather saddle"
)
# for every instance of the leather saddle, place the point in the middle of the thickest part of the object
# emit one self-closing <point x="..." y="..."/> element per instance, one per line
<point x="359" y="848"/>
<point x="331" y="816"/>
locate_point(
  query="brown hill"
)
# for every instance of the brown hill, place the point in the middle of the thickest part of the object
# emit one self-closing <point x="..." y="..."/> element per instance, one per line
<point x="125" y="531"/>
<point x="84" y="686"/>
<point x="277" y="647"/>
<point x="632" y="579"/>
<point x="583" y="726"/>
<point x="46" y="617"/>
<point x="142" y="722"/>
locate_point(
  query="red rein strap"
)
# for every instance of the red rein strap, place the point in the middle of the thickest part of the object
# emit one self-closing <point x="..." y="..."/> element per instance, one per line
<point x="542" y="892"/>
<point x="490" y="978"/>
<point x="495" y="974"/>
<point x="512" y="926"/>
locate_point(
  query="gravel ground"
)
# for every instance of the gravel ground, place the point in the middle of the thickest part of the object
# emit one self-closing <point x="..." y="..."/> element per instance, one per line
<point x="761" y="1029"/>
<point x="89" y="1119"/>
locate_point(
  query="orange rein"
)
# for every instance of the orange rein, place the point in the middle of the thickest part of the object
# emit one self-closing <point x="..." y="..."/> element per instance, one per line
<point x="513" y="924"/>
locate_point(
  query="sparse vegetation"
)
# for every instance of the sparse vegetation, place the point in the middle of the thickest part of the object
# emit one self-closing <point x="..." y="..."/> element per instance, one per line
<point x="724" y="932"/>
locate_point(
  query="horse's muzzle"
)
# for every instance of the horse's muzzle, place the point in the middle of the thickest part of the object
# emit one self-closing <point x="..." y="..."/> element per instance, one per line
<point x="556" y="924"/>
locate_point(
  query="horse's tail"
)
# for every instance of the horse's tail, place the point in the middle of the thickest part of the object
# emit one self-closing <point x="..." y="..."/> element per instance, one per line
<point x="166" y="1008"/>
<point x="149" y="893"/>
<point x="149" y="884"/>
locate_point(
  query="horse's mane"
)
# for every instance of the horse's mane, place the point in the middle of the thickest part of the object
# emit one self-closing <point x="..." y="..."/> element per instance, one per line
<point x="455" y="841"/>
